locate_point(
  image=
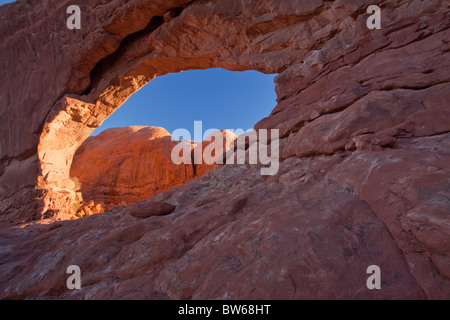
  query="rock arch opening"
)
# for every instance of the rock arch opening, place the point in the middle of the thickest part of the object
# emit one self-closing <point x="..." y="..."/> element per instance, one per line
<point x="128" y="158"/>
<point x="118" y="51"/>
<point x="364" y="120"/>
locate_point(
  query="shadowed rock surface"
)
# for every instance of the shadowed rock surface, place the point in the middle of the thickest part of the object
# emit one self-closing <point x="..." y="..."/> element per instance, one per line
<point x="365" y="147"/>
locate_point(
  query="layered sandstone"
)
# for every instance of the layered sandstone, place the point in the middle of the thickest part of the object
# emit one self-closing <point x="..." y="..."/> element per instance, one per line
<point x="125" y="165"/>
<point x="364" y="177"/>
<point x="122" y="166"/>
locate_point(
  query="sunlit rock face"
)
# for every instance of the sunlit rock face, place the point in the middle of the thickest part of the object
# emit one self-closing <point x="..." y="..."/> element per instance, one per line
<point x="363" y="178"/>
<point x="122" y="166"/>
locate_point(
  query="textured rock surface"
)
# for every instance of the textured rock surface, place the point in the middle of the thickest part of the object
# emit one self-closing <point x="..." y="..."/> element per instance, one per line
<point x="364" y="179"/>
<point x="209" y="157"/>
<point x="127" y="165"/>
<point x="122" y="166"/>
<point x="150" y="209"/>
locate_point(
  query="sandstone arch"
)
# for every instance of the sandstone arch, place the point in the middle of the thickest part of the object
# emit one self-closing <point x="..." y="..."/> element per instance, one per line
<point x="114" y="58"/>
<point x="357" y="110"/>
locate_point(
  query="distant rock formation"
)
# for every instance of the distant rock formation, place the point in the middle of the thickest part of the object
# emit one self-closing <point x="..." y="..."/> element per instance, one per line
<point x="122" y="166"/>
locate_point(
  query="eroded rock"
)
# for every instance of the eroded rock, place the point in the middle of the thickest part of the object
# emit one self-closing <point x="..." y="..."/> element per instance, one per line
<point x="122" y="166"/>
<point x="149" y="209"/>
<point x="364" y="177"/>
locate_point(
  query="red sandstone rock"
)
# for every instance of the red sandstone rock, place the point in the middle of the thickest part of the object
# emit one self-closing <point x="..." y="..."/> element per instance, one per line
<point x="314" y="226"/>
<point x="122" y="166"/>
<point x="364" y="179"/>
<point x="208" y="149"/>
<point x="128" y="165"/>
<point x="98" y="208"/>
<point x="149" y="209"/>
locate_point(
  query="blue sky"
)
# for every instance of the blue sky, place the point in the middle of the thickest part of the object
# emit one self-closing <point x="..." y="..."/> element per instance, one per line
<point x="221" y="99"/>
<point x="5" y="1"/>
